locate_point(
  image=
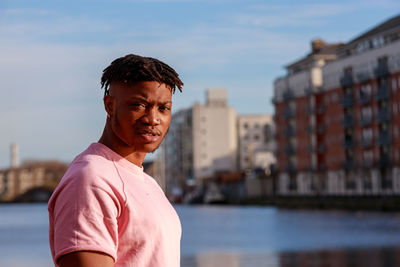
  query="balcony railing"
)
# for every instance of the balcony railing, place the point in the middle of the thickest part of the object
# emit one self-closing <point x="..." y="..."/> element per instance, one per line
<point x="363" y="76"/>
<point x="290" y="150"/>
<point x="364" y="98"/>
<point x="383" y="115"/>
<point x="290" y="131"/>
<point x="347" y="101"/>
<point x="310" y="129"/>
<point x="289" y="113"/>
<point x="320" y="109"/>
<point x="348" y="165"/>
<point x="346" y="80"/>
<point x="308" y="91"/>
<point x="291" y="168"/>
<point x="383" y="139"/>
<point x="348" y="122"/>
<point x="311" y="148"/>
<point x="382" y="70"/>
<point x="383" y="93"/>
<point x="384" y="161"/>
<point x="348" y="144"/>
<point x="367" y="164"/>
<point x="365" y="121"/>
<point x="310" y="110"/>
<point x="288" y="95"/>
<point x="321" y="148"/>
<point x="366" y="142"/>
<point x="321" y="129"/>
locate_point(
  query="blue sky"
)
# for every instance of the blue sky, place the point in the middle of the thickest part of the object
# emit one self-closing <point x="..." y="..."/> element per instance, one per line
<point x="52" y="54"/>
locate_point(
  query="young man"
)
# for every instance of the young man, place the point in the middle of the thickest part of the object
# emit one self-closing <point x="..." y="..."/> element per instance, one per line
<point x="106" y="211"/>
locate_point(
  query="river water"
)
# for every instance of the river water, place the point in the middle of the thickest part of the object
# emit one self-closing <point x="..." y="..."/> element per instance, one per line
<point x="219" y="236"/>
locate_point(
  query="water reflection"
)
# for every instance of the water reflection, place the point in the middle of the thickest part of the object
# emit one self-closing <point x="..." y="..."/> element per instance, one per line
<point x="368" y="257"/>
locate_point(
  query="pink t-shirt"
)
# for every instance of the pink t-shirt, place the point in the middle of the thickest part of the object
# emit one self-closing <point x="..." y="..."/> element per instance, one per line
<point x="107" y="204"/>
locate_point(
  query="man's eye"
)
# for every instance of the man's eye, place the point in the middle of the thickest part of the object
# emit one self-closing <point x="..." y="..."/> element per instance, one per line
<point x="165" y="108"/>
<point x="138" y="105"/>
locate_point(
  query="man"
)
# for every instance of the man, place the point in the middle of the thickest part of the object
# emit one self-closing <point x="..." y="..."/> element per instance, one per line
<point x="106" y="211"/>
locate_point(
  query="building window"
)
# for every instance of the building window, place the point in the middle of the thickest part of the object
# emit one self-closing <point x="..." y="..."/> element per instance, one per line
<point x="256" y="137"/>
<point x="267" y="133"/>
<point x="394" y="85"/>
<point x="245" y="126"/>
<point x="257" y="126"/>
<point x="395" y="131"/>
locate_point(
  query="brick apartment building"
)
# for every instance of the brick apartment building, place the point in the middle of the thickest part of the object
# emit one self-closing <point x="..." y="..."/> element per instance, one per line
<point x="337" y="114"/>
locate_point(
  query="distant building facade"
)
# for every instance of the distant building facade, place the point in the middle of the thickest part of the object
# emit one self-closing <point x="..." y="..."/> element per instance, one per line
<point x="338" y="117"/>
<point x="201" y="141"/>
<point x="256" y="142"/>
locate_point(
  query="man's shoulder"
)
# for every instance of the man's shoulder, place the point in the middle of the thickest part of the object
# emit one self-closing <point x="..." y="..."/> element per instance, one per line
<point x="90" y="165"/>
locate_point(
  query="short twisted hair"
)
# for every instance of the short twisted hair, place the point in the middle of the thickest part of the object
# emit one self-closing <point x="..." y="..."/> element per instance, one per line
<point x="133" y="68"/>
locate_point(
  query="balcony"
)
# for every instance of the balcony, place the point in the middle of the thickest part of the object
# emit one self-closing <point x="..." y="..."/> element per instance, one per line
<point x="348" y="165"/>
<point x="382" y="70"/>
<point x="350" y="184"/>
<point x="321" y="129"/>
<point x="383" y="93"/>
<point x="347" y="101"/>
<point x="320" y="109"/>
<point x="366" y="142"/>
<point x="367" y="164"/>
<point x="290" y="131"/>
<point x="365" y="121"/>
<point x="308" y="92"/>
<point x="383" y="115"/>
<point x="348" y="122"/>
<point x="321" y="148"/>
<point x="289" y="113"/>
<point x="364" y="98"/>
<point x="363" y="77"/>
<point x="311" y="149"/>
<point x="288" y="95"/>
<point x="346" y="80"/>
<point x="310" y="129"/>
<point x="383" y="139"/>
<point x="310" y="110"/>
<point x="384" y="161"/>
<point x="290" y="150"/>
<point x="348" y="143"/>
<point x="291" y="168"/>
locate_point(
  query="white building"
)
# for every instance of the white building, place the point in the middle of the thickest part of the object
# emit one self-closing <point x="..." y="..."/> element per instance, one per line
<point x="201" y="141"/>
<point x="214" y="135"/>
<point x="256" y="142"/>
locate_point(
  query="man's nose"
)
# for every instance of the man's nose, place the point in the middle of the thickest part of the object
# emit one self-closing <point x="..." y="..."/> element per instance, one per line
<point x="152" y="116"/>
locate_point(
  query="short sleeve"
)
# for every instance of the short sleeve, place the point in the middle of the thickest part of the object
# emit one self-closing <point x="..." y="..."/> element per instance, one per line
<point x="84" y="217"/>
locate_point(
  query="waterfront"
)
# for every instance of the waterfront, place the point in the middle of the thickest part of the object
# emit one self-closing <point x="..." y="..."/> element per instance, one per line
<point x="236" y="236"/>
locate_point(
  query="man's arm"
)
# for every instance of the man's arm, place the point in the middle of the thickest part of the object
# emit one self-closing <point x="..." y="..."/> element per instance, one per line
<point x="86" y="259"/>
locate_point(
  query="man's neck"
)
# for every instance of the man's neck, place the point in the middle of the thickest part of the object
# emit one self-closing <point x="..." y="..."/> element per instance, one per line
<point x="122" y="149"/>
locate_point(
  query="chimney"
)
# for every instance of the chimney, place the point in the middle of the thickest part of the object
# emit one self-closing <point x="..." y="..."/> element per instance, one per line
<point x="317" y="44"/>
<point x="14" y="155"/>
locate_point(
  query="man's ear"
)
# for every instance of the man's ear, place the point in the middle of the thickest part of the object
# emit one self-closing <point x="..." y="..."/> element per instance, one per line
<point x="109" y="103"/>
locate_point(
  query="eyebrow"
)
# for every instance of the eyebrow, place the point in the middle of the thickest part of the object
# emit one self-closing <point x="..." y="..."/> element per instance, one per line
<point x="141" y="98"/>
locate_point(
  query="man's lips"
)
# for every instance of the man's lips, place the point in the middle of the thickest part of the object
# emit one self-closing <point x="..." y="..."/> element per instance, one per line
<point x="150" y="136"/>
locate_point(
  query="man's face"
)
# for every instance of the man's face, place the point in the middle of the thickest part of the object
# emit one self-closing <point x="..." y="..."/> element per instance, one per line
<point x="139" y="114"/>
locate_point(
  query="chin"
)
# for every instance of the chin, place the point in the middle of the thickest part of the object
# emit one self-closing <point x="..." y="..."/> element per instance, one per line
<point x="149" y="148"/>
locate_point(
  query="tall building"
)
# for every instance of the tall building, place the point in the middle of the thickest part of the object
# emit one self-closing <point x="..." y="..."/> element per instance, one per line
<point x="338" y="117"/>
<point x="201" y="141"/>
<point x="14" y="155"/>
<point x="256" y="142"/>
